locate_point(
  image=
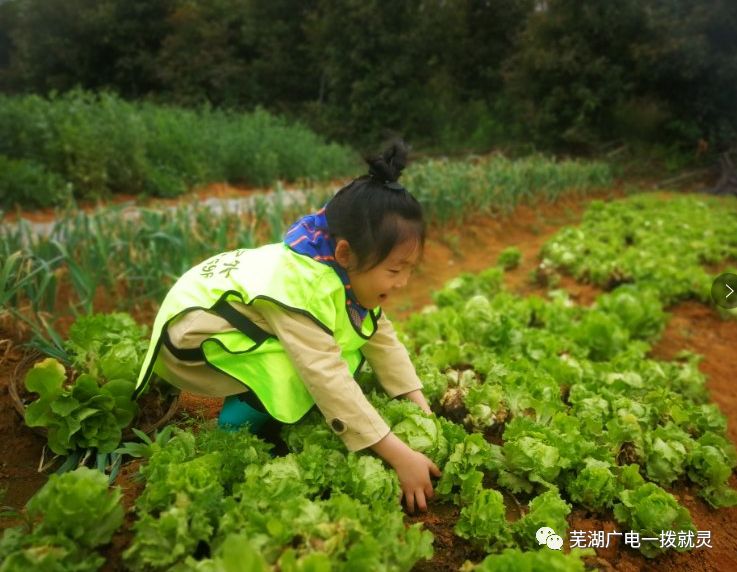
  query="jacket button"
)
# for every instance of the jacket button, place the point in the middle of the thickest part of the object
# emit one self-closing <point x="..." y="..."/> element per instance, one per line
<point x="337" y="425"/>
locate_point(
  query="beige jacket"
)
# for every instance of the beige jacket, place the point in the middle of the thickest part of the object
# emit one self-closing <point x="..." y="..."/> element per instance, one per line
<point x="316" y="357"/>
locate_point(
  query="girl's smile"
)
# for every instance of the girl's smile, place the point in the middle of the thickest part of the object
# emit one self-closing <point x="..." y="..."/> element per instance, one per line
<point x="372" y="287"/>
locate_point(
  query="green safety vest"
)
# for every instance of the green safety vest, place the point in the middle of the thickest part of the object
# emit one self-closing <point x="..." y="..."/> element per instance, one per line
<point x="273" y="272"/>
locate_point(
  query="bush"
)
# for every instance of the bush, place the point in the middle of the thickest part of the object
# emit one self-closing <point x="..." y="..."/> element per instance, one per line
<point x="101" y="145"/>
<point x="25" y="183"/>
<point x="509" y="258"/>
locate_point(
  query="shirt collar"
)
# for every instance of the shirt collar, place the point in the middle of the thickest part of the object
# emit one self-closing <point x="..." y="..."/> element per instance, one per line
<point x="310" y="236"/>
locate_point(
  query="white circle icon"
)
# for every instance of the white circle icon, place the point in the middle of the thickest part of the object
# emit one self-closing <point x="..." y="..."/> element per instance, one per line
<point x="543" y="533"/>
<point x="554" y="542"/>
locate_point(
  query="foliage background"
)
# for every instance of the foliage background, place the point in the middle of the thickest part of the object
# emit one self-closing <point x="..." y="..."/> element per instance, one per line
<point x="546" y="74"/>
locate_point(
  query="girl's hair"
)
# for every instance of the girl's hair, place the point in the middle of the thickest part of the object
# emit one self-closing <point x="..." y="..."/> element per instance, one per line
<point x="374" y="213"/>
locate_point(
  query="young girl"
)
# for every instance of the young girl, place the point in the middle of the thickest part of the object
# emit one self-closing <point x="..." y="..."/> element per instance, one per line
<point x="286" y="326"/>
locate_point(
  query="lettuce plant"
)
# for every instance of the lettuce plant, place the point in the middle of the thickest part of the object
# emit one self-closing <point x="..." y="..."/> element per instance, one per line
<point x="82" y="415"/>
<point x="90" y="410"/>
<point x="73" y="514"/>
<point x="595" y="486"/>
<point x="547" y="509"/>
<point x="710" y="464"/>
<point x="648" y="510"/>
<point x="484" y="522"/>
<point x="516" y="560"/>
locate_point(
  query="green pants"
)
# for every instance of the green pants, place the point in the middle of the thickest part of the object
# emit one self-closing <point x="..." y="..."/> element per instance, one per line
<point x="236" y="413"/>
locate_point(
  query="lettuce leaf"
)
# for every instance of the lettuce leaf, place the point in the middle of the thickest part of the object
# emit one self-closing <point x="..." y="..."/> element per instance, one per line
<point x="483" y="521"/>
<point x="464" y="472"/>
<point x="710" y="464"/>
<point x="516" y="560"/>
<point x="547" y="509"/>
<point x="595" y="486"/>
<point x="648" y="510"/>
<point x="74" y="513"/>
<point x="109" y="346"/>
<point x="423" y="433"/>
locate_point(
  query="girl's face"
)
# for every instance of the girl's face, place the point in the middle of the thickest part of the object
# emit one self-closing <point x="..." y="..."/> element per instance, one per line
<point x="373" y="287"/>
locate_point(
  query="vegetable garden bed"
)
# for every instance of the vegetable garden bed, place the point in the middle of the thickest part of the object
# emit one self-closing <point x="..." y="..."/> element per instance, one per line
<point x="692" y="326"/>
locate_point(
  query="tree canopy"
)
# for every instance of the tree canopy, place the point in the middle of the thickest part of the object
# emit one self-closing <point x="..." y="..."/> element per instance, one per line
<point x="556" y="73"/>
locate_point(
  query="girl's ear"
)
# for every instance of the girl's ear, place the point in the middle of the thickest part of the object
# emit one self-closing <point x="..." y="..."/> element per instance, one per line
<point x="343" y="253"/>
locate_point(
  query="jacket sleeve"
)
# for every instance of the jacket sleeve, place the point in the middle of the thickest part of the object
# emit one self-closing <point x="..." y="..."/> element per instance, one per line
<point x="317" y="358"/>
<point x="390" y="361"/>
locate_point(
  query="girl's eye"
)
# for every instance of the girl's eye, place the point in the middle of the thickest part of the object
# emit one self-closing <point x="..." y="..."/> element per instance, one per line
<point x="394" y="271"/>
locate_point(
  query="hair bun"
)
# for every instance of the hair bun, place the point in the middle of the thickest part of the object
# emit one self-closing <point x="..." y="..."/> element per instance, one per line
<point x="387" y="166"/>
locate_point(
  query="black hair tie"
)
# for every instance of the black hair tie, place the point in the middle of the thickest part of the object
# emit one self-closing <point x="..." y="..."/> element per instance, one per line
<point x="391" y="185"/>
<point x="394" y="186"/>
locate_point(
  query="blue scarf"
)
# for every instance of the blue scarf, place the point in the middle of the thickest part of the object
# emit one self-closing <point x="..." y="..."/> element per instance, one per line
<point x="309" y="236"/>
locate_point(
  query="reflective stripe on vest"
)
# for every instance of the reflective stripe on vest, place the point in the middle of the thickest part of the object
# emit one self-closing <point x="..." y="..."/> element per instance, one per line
<point x="278" y="274"/>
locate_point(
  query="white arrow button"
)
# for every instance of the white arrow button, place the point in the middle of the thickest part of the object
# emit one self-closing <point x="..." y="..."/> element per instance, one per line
<point x="730" y="291"/>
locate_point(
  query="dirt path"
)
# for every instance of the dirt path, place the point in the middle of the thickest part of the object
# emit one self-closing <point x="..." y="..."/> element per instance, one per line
<point x="449" y="251"/>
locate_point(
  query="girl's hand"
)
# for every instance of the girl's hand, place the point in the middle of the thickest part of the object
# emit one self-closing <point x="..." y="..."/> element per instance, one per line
<point x="414" y="477"/>
<point x="413" y="469"/>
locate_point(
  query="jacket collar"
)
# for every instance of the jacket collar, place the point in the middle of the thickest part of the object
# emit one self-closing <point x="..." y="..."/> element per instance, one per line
<point x="310" y="236"/>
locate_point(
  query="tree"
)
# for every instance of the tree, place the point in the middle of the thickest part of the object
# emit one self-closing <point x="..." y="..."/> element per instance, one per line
<point x="7" y="24"/>
<point x="63" y="43"/>
<point x="138" y="34"/>
<point x="662" y="70"/>
<point x="422" y="67"/>
<point x="688" y="63"/>
<point x="573" y="65"/>
<point x="237" y="53"/>
<point x="95" y="44"/>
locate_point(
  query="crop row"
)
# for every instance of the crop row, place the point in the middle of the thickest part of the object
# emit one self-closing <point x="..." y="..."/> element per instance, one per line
<point x="674" y="246"/>
<point x="132" y="259"/>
